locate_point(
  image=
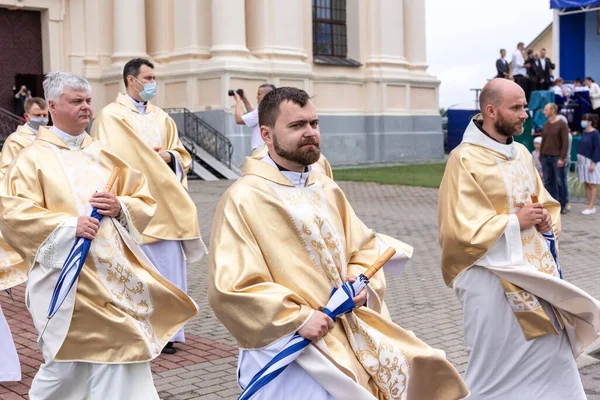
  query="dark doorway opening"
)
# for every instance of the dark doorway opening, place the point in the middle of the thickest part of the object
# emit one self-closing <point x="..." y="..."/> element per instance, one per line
<point x="33" y="83"/>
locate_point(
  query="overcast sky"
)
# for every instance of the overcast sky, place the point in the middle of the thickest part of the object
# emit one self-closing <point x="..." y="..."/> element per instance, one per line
<point x="464" y="38"/>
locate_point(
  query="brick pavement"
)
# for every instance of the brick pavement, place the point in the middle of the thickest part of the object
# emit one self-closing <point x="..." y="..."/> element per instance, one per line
<point x="419" y="301"/>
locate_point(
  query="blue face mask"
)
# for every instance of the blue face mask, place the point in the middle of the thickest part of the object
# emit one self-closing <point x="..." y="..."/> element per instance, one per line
<point x="584" y="124"/>
<point x="149" y="90"/>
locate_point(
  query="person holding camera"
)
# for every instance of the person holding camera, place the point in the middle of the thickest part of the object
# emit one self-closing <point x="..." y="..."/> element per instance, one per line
<point x="20" y="97"/>
<point x="250" y="118"/>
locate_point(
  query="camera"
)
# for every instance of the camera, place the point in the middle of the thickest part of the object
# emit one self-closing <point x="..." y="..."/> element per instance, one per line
<point x="239" y="91"/>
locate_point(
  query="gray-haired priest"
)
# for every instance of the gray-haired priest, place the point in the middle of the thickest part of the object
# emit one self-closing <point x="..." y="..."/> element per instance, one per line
<point x="121" y="311"/>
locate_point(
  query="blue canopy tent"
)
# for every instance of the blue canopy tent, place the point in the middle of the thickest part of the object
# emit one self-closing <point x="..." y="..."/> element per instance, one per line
<point x="572" y="3"/>
<point x="576" y="39"/>
<point x="458" y="120"/>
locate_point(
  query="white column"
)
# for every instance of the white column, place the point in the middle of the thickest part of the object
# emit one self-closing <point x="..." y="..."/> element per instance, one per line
<point x="192" y="30"/>
<point x="275" y="29"/>
<point x="77" y="34"/>
<point x="414" y="33"/>
<point x="92" y="25"/>
<point x="556" y="42"/>
<point x="387" y="34"/>
<point x="228" y="28"/>
<point x="54" y="40"/>
<point x="129" y="40"/>
<point x="98" y="39"/>
<point x="159" y="29"/>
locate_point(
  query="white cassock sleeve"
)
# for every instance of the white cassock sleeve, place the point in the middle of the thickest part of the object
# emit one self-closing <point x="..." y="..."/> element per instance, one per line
<point x="508" y="250"/>
<point x="294" y="383"/>
<point x="178" y="168"/>
<point x="10" y="368"/>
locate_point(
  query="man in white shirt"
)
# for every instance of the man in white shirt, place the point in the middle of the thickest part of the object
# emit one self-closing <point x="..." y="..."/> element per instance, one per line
<point x="557" y="87"/>
<point x="594" y="94"/>
<point x="251" y="117"/>
<point x="579" y="87"/>
<point x="520" y="67"/>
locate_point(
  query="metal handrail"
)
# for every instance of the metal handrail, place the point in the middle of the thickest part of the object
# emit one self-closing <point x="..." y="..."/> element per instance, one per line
<point x="208" y="138"/>
<point x="192" y="174"/>
<point x="8" y="123"/>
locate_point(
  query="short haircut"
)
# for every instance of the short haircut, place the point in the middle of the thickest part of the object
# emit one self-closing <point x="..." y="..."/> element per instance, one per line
<point x="37" y="101"/>
<point x="56" y="83"/>
<point x="268" y="112"/>
<point x="267" y="85"/>
<point x="501" y="50"/>
<point x="593" y="118"/>
<point x="490" y="95"/>
<point x="589" y="78"/>
<point x="543" y="49"/>
<point x="578" y="79"/>
<point x="520" y="44"/>
<point x="553" y="106"/>
<point x="558" y="81"/>
<point x="133" y="68"/>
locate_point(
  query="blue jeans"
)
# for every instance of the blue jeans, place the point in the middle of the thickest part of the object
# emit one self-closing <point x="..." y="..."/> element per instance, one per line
<point x="555" y="179"/>
<point x="567" y="169"/>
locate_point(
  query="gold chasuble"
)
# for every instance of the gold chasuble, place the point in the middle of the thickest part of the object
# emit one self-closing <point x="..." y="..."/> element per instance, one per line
<point x="121" y="310"/>
<point x="14" y="143"/>
<point x="277" y="253"/>
<point x="13" y="270"/>
<point x="485" y="183"/>
<point x="132" y="136"/>
<point x="322" y="165"/>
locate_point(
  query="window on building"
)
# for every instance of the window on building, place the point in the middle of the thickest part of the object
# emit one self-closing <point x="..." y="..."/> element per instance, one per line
<point x="329" y="28"/>
<point x="329" y="32"/>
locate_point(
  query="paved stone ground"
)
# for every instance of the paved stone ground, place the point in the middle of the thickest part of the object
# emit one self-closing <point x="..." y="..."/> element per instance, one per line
<point x="419" y="300"/>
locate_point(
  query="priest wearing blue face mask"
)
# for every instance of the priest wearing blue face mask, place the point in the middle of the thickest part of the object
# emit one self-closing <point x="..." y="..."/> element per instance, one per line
<point x="13" y="270"/>
<point x="146" y="137"/>
<point x="36" y="114"/>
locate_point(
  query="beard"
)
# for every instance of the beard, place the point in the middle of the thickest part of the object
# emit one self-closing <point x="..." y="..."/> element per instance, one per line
<point x="300" y="155"/>
<point x="508" y="128"/>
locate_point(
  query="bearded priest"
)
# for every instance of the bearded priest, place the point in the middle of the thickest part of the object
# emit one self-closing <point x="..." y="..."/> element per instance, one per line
<point x="322" y="165"/>
<point x="286" y="237"/>
<point x="524" y="325"/>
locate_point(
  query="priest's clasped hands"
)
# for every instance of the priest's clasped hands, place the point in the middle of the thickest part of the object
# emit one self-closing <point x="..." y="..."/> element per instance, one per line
<point x="535" y="215"/>
<point x="107" y="205"/>
<point x="165" y="155"/>
<point x="319" y="324"/>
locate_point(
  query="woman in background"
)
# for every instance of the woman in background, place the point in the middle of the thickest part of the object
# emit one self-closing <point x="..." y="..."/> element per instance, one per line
<point x="594" y="94"/>
<point x="557" y="87"/>
<point x="588" y="156"/>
